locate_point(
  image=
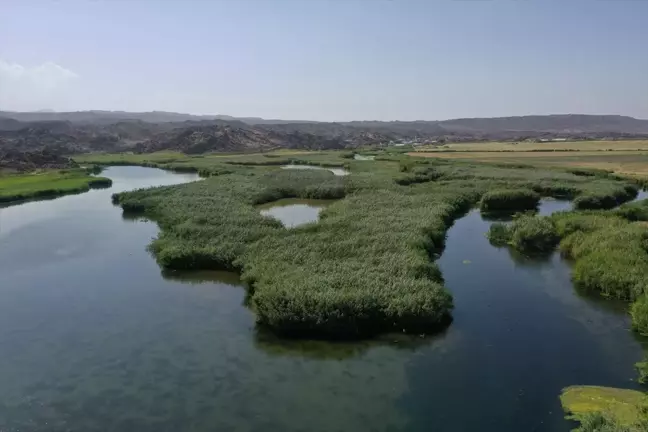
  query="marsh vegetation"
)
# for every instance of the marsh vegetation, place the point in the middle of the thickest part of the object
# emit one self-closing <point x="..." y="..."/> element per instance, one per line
<point x="49" y="183"/>
<point x="368" y="266"/>
<point x="374" y="227"/>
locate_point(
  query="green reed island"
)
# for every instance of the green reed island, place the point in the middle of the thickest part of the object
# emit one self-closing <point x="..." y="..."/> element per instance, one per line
<point x="367" y="267"/>
<point x="48" y="184"/>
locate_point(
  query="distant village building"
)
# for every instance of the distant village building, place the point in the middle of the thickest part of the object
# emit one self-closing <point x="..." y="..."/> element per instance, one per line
<point x="553" y="139"/>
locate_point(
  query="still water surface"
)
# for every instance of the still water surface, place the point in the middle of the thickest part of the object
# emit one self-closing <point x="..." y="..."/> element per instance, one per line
<point x="94" y="337"/>
<point x="335" y="171"/>
<point x="293" y="212"/>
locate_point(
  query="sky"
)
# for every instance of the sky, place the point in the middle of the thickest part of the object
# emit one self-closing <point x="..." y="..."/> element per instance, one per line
<point x="328" y="60"/>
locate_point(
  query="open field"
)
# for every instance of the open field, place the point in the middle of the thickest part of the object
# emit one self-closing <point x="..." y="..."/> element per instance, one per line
<point x="558" y="146"/>
<point x="620" y="162"/>
<point x="47" y="184"/>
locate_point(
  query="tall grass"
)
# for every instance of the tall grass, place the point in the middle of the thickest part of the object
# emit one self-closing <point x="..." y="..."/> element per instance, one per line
<point x="367" y="267"/>
<point x="508" y="200"/>
<point x="418" y="175"/>
<point x="609" y="251"/>
<point x="601" y="422"/>
<point x="527" y="233"/>
<point x="606" y="198"/>
<point x="636" y="211"/>
<point x="639" y="314"/>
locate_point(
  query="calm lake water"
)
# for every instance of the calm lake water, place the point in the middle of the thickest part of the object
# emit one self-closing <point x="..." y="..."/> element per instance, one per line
<point x="293" y="212"/>
<point x="94" y="337"/>
<point x="335" y="171"/>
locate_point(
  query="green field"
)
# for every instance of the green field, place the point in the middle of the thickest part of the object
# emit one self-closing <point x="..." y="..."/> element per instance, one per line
<point x="48" y="183"/>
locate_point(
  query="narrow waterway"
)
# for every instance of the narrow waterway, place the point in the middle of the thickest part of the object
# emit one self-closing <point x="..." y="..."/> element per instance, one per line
<point x="94" y="337"/>
<point x="520" y="334"/>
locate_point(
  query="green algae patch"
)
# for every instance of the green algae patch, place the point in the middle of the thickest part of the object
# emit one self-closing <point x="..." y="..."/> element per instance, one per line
<point x="622" y="406"/>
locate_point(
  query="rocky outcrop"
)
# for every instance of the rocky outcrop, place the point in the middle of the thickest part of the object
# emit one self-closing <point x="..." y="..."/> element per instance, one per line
<point x="69" y="133"/>
<point x="22" y="161"/>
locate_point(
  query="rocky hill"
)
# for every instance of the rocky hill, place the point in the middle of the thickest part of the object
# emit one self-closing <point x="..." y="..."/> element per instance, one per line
<point x="22" y="161"/>
<point x="107" y="131"/>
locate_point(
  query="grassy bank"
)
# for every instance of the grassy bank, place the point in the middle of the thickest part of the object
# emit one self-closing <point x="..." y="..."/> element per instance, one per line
<point x="129" y="158"/>
<point x="367" y="267"/>
<point x="49" y="183"/>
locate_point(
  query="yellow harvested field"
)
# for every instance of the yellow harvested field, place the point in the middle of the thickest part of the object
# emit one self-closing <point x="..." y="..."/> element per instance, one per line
<point x="622" y="162"/>
<point x="624" y="145"/>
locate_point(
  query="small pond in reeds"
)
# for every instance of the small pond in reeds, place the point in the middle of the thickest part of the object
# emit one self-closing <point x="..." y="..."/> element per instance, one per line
<point x="334" y="170"/>
<point x="293" y="212"/>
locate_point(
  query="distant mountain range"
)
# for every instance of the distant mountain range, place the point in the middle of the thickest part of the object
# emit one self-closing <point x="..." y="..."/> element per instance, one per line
<point x="107" y="117"/>
<point x="114" y="131"/>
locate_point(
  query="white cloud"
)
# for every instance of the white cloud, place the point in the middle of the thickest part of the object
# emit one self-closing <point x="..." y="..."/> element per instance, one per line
<point x="27" y="88"/>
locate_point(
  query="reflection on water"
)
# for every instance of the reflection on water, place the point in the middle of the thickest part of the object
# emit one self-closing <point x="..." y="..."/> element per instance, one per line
<point x="293" y="212"/>
<point x="643" y="194"/>
<point x="95" y="338"/>
<point x="546" y="207"/>
<point x="335" y="171"/>
<point x="525" y="334"/>
<point x="203" y="277"/>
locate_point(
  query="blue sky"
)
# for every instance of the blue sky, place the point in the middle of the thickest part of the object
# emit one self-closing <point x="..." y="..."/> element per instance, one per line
<point x="327" y="60"/>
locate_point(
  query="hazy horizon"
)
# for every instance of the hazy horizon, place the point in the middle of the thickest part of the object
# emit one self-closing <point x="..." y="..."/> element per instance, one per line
<point x="326" y="60"/>
<point x="46" y="111"/>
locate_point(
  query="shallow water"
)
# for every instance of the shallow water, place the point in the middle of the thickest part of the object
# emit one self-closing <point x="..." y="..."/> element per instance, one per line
<point x="363" y="158"/>
<point x="643" y="194"/>
<point x="293" y="212"/>
<point x="335" y="171"/>
<point x="521" y="333"/>
<point x="94" y="337"/>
